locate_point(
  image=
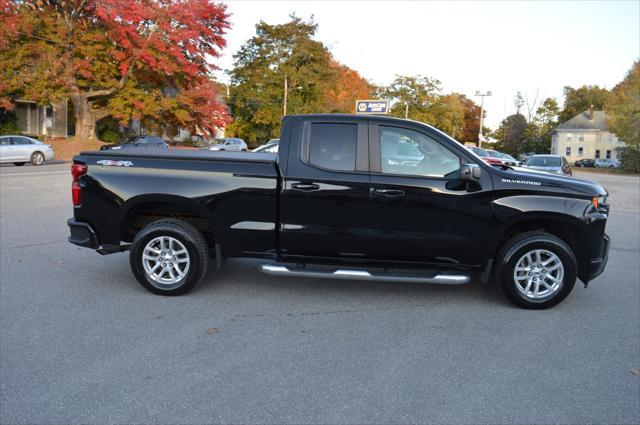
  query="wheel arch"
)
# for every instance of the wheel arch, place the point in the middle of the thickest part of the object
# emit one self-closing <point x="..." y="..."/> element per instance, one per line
<point x="139" y="211"/>
<point x="565" y="227"/>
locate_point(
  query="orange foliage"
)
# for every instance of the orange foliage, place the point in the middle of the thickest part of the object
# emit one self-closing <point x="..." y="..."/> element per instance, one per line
<point x="349" y="87"/>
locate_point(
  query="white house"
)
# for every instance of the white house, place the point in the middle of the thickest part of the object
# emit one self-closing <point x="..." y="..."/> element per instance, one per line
<point x="586" y="136"/>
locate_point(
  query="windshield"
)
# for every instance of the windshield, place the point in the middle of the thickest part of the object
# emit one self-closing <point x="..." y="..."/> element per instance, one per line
<point x="479" y="152"/>
<point x="544" y="161"/>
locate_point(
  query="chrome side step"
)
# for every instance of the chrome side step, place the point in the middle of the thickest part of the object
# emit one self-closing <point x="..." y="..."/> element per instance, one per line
<point x="438" y="278"/>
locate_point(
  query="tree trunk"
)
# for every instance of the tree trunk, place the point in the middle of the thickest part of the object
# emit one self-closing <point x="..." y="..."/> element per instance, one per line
<point x="85" y="117"/>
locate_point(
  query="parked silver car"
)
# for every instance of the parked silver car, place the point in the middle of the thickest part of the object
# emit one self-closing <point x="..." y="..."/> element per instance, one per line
<point x="21" y="149"/>
<point x="270" y="147"/>
<point x="550" y="163"/>
<point x="606" y="163"/>
<point x="231" y="144"/>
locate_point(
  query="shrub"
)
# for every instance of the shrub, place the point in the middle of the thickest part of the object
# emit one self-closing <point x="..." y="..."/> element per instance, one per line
<point x="630" y="160"/>
<point x="108" y="130"/>
<point x="8" y="122"/>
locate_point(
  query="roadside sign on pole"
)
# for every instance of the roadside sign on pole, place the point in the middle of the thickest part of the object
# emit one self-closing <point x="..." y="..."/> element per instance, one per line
<point x="372" y="106"/>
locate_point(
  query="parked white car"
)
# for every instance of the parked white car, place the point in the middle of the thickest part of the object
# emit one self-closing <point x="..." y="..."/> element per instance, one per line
<point x="22" y="149"/>
<point x="607" y="163"/>
<point x="231" y="144"/>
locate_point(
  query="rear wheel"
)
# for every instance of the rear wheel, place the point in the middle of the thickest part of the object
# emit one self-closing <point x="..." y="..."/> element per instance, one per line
<point x="536" y="270"/>
<point x="169" y="257"/>
<point x="37" y="158"/>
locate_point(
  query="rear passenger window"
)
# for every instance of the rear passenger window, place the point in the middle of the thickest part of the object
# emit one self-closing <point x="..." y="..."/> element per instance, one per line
<point x="333" y="146"/>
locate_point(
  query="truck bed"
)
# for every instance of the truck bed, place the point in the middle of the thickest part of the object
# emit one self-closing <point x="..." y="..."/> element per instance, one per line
<point x="233" y="196"/>
<point x="186" y="154"/>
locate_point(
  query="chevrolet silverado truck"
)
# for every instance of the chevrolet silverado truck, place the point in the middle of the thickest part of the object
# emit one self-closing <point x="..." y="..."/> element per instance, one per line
<point x="348" y="197"/>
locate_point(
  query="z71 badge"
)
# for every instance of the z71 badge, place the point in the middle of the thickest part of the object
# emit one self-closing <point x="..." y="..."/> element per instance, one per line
<point x="110" y="163"/>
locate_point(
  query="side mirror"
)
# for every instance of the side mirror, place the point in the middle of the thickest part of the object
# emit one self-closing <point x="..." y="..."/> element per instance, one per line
<point x="470" y="172"/>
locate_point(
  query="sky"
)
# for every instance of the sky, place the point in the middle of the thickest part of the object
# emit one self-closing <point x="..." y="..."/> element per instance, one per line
<point x="502" y="46"/>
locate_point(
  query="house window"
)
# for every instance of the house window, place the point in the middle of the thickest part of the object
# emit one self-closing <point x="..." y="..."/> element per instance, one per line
<point x="49" y="116"/>
<point x="569" y="137"/>
<point x="618" y="154"/>
<point x="580" y="137"/>
<point x="597" y="153"/>
<point x="580" y="151"/>
<point x="608" y="154"/>
<point x="568" y="151"/>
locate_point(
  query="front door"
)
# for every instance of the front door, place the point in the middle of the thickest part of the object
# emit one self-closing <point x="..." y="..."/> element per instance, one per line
<point x="325" y="207"/>
<point x="421" y="211"/>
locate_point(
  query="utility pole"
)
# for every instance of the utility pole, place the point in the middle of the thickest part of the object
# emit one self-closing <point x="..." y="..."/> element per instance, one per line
<point x="482" y="96"/>
<point x="406" y="111"/>
<point x="286" y="90"/>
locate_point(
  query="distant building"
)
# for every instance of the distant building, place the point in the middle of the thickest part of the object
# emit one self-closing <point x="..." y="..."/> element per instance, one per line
<point x="36" y="120"/>
<point x="586" y="136"/>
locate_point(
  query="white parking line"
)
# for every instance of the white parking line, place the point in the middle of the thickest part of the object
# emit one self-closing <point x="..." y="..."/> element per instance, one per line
<point x="36" y="173"/>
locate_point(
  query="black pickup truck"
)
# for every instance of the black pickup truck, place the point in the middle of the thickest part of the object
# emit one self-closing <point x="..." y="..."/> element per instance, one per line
<point x="351" y="197"/>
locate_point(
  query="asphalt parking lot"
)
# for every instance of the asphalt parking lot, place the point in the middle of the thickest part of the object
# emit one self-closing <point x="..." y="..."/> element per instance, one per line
<point x="82" y="342"/>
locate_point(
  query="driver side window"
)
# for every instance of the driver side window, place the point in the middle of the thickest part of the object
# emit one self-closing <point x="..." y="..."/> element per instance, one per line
<point x="408" y="152"/>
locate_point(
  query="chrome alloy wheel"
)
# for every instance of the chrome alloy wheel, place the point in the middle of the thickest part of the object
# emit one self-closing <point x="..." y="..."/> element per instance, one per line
<point x="538" y="275"/>
<point x="38" y="158"/>
<point x="165" y="261"/>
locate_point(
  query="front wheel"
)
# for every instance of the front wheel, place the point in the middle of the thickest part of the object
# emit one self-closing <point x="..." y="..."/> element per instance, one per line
<point x="536" y="270"/>
<point x="169" y="257"/>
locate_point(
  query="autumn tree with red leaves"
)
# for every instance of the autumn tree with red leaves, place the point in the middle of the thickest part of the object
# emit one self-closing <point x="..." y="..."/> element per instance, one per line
<point x="132" y="59"/>
<point x="347" y="87"/>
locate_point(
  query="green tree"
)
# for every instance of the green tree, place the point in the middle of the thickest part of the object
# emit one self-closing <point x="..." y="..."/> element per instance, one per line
<point x="518" y="102"/>
<point x="419" y="93"/>
<point x="580" y="99"/>
<point x="540" y="128"/>
<point x="511" y="134"/>
<point x="276" y="53"/>
<point x="449" y="115"/>
<point x="623" y="108"/>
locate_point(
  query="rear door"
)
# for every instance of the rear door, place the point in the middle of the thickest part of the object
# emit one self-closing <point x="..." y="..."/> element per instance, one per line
<point x="421" y="211"/>
<point x="325" y="198"/>
<point x="22" y="148"/>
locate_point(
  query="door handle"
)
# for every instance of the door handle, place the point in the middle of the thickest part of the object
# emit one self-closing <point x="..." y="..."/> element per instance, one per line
<point x="305" y="187"/>
<point x="389" y="193"/>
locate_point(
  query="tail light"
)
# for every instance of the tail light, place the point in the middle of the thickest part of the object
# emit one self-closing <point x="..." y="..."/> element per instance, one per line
<point x="77" y="170"/>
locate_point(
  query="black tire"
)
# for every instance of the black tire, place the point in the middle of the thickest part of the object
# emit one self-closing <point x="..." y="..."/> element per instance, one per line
<point x="189" y="237"/>
<point x="18" y="164"/>
<point x="610" y="166"/>
<point x="513" y="250"/>
<point x="37" y="158"/>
